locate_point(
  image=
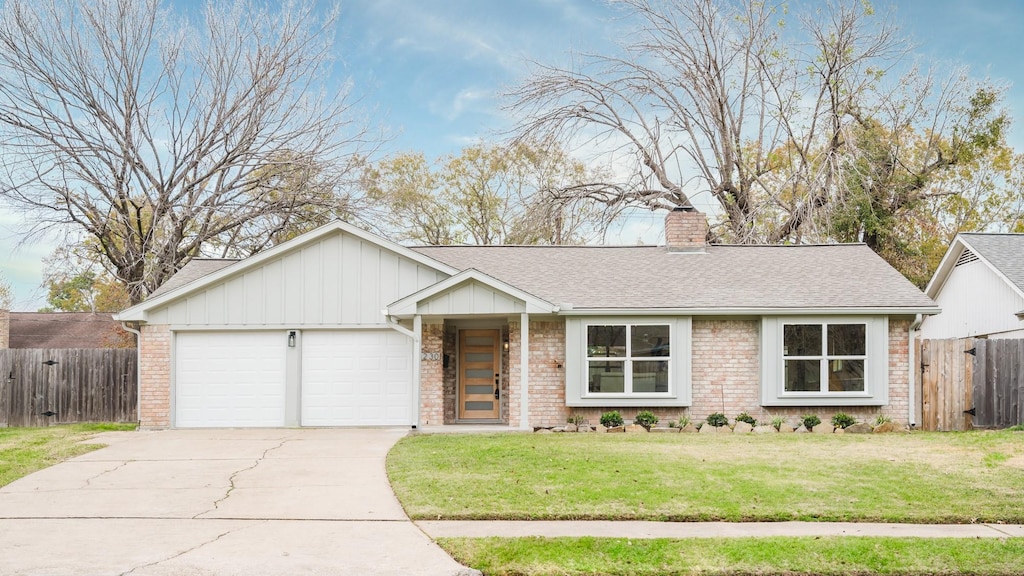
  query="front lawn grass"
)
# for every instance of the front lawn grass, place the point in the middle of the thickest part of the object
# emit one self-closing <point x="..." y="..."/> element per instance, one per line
<point x="913" y="478"/>
<point x="838" y="556"/>
<point x="25" y="450"/>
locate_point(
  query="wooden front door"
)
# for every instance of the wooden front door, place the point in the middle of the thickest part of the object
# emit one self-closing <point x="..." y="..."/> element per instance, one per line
<point x="479" y="374"/>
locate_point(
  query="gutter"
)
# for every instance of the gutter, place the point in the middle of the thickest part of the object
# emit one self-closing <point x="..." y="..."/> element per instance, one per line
<point x="138" y="366"/>
<point x="912" y="370"/>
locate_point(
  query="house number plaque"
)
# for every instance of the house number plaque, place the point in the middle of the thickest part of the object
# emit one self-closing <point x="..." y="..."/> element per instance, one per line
<point x="430" y="356"/>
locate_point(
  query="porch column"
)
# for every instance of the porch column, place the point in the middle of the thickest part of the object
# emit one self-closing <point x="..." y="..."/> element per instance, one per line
<point x="524" y="371"/>
<point x="417" y="358"/>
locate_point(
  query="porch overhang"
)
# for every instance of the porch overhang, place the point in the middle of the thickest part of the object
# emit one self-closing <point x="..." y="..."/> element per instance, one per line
<point x="469" y="293"/>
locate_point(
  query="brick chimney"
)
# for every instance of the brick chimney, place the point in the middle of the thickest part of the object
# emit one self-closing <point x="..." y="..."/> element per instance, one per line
<point x="686" y="230"/>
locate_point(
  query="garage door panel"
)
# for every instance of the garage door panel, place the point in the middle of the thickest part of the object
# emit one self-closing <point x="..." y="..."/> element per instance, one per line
<point x="229" y="379"/>
<point x="356" y="378"/>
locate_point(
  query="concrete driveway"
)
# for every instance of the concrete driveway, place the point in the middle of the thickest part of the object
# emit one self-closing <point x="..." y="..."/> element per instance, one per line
<point x="217" y="502"/>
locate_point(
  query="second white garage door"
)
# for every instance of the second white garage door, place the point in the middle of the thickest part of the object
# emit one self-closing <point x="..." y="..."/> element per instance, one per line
<point x="356" y="378"/>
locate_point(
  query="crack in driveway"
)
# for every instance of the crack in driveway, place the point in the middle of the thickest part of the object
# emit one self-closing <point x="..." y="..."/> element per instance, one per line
<point x="194" y="548"/>
<point x="231" y="480"/>
<point x="88" y="481"/>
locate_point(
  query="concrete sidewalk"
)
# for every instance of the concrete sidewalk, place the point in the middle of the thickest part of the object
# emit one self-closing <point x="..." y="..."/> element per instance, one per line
<point x="638" y="530"/>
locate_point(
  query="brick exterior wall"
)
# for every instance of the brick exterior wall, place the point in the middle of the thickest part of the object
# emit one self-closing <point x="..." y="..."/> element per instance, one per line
<point x="432" y="393"/>
<point x="726" y="377"/>
<point x="686" y="230"/>
<point x="546" y="377"/>
<point x="155" y="377"/>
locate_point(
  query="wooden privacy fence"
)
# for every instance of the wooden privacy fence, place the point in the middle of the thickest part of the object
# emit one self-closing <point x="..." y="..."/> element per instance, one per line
<point x="998" y="383"/>
<point x="39" y="387"/>
<point x="946" y="376"/>
<point x="968" y="383"/>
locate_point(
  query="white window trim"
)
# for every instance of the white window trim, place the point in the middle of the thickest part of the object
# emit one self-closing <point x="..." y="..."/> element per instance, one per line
<point x="576" y="374"/>
<point x="823" y="361"/>
<point x="876" y="363"/>
<point x="628" y="361"/>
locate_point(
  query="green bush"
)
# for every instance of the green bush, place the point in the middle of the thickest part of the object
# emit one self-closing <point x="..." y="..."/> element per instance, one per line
<point x="717" y="420"/>
<point x="882" y="419"/>
<point x="777" y="422"/>
<point x="810" y="421"/>
<point x="842" y="420"/>
<point x="611" y="419"/>
<point x="744" y="417"/>
<point x="645" y="418"/>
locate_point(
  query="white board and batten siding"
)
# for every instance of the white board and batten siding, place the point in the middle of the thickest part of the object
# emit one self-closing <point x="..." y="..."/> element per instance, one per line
<point x="234" y="366"/>
<point x="975" y="301"/>
<point x="340" y="280"/>
<point x="471" y="298"/>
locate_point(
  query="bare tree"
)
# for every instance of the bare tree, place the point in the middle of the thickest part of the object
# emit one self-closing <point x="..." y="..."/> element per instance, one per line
<point x="768" y="119"/>
<point x="151" y="137"/>
<point x="524" y="193"/>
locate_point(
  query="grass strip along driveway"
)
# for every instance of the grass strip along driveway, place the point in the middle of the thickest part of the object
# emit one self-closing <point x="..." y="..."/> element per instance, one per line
<point x="25" y="450"/>
<point x="910" y="478"/>
<point x="738" y="556"/>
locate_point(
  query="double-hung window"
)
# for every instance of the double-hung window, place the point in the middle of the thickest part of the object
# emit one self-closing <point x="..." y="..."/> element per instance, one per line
<point x="628" y="359"/>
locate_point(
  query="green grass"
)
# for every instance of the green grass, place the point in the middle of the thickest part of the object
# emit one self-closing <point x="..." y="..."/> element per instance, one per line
<point x="853" y="556"/>
<point x="915" y="478"/>
<point x="25" y="450"/>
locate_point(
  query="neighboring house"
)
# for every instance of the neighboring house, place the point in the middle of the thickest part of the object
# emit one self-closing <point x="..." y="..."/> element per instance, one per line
<point x="339" y="327"/>
<point x="65" y="330"/>
<point x="979" y="286"/>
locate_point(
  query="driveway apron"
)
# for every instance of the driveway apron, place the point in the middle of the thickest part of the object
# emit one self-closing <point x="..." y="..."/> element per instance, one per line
<point x="217" y="502"/>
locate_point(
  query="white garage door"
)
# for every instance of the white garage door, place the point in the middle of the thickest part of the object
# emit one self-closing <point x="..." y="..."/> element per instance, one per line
<point x="356" y="378"/>
<point x="229" y="379"/>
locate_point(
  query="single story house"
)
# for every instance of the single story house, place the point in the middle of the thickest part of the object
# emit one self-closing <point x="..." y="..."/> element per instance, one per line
<point x="979" y="285"/>
<point x="51" y="330"/>
<point x="339" y="327"/>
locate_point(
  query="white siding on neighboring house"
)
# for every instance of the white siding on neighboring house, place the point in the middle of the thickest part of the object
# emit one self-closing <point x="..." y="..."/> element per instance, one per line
<point x="340" y="280"/>
<point x="975" y="301"/>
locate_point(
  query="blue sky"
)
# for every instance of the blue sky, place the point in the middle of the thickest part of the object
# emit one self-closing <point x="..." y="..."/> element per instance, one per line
<point x="432" y="72"/>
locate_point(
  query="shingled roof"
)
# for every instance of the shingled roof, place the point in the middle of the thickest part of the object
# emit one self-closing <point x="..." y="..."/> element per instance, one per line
<point x="844" y="276"/>
<point x="67" y="330"/>
<point x="194" y="270"/>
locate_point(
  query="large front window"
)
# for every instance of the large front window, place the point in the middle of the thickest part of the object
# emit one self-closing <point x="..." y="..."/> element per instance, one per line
<point x="628" y="358"/>
<point x="824" y="358"/>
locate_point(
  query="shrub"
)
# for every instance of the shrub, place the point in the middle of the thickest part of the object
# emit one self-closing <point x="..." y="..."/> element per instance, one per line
<point x="683" y="422"/>
<point x="842" y="420"/>
<point x="717" y="420"/>
<point x="744" y="417"/>
<point x="777" y="422"/>
<point x="810" y="421"/>
<point x="882" y="419"/>
<point x="646" y="418"/>
<point x="611" y="419"/>
<point x="575" y="419"/>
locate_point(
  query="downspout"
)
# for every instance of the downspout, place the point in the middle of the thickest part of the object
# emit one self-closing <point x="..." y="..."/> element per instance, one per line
<point x="912" y="369"/>
<point x="138" y="365"/>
